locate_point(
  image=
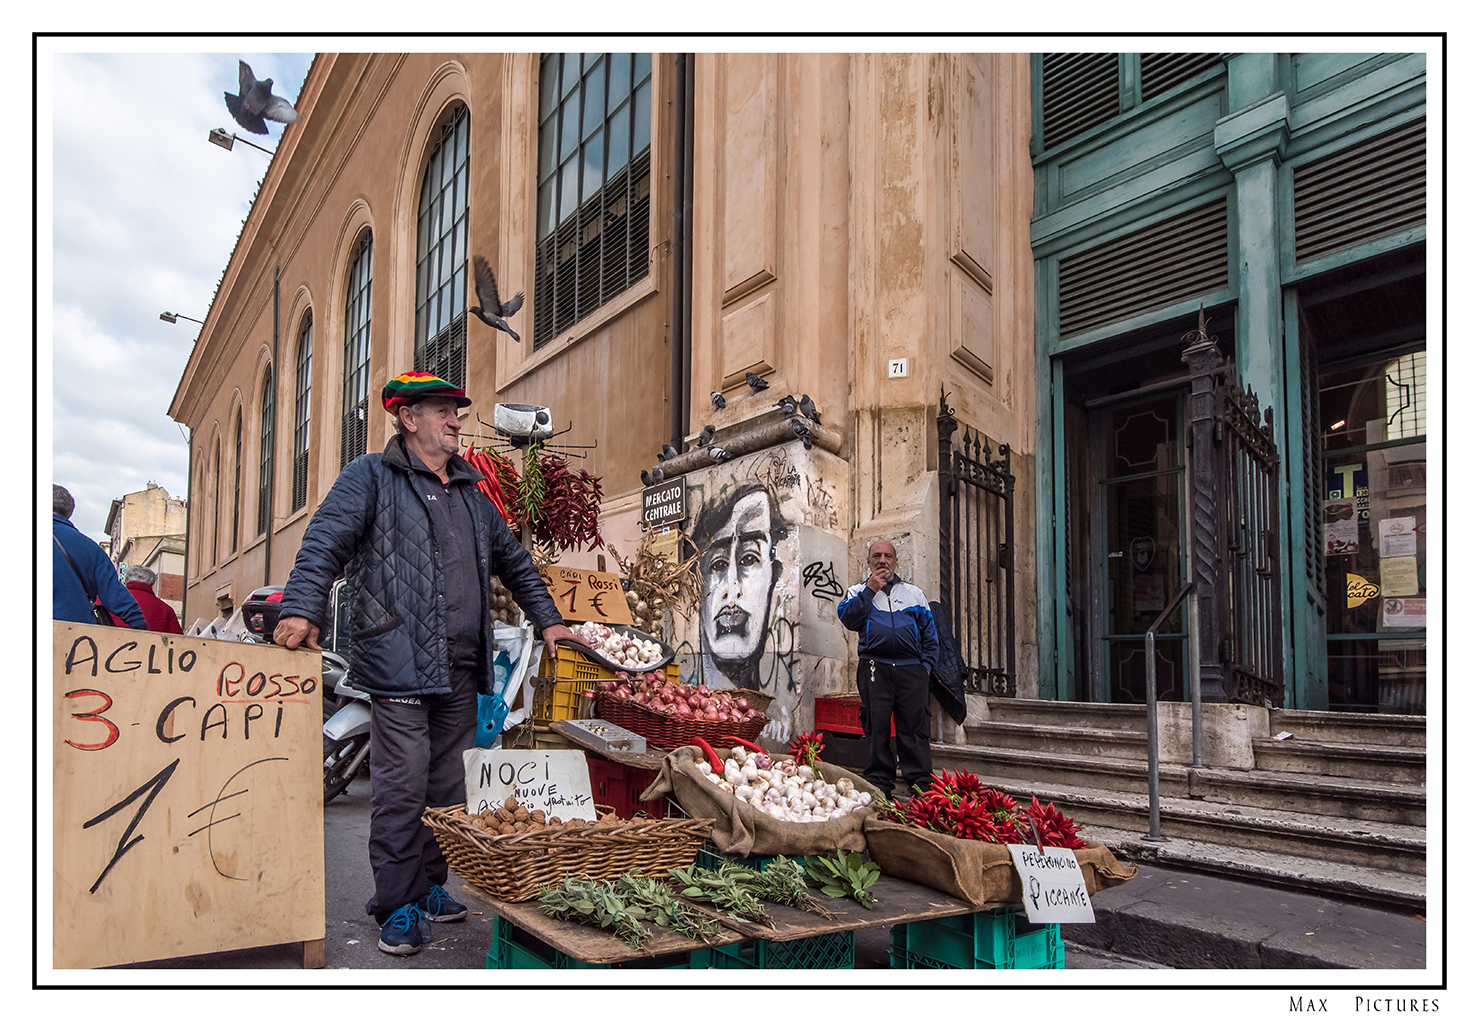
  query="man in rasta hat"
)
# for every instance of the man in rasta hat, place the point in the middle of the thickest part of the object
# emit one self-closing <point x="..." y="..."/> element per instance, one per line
<point x="418" y="544"/>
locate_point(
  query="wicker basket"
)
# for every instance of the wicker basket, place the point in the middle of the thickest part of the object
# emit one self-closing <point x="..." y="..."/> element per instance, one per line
<point x="514" y="867"/>
<point x="667" y="732"/>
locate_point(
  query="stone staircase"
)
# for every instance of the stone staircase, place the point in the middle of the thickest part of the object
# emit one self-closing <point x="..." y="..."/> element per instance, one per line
<point x="1338" y="808"/>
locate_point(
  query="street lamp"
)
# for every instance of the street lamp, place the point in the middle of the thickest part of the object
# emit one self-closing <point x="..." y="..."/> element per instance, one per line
<point x="170" y="317"/>
<point x="225" y="139"/>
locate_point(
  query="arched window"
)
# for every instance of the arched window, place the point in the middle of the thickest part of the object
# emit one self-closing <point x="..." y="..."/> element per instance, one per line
<point x="300" y="413"/>
<point x="264" y="475"/>
<point x="236" y="486"/>
<point x="216" y="504"/>
<point x="441" y="254"/>
<point x="594" y="177"/>
<point x="354" y="427"/>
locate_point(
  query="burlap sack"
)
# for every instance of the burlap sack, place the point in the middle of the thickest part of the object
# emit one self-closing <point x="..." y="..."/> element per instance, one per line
<point x="974" y="871"/>
<point x="739" y="828"/>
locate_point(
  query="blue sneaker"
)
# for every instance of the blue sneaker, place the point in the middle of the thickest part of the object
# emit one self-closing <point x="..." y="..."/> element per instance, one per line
<point x="401" y="934"/>
<point x="439" y="907"/>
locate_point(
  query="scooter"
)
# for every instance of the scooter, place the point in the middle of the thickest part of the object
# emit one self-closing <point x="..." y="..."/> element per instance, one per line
<point x="347" y="729"/>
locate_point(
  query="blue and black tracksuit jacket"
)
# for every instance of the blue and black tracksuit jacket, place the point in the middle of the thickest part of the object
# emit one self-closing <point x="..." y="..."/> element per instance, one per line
<point x="893" y="625"/>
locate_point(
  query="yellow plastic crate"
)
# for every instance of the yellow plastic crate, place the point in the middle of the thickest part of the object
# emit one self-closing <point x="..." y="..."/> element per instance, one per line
<point x="572" y="665"/>
<point x="557" y="700"/>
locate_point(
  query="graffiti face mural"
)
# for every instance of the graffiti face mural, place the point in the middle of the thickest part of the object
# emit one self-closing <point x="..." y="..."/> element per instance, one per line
<point x="739" y="534"/>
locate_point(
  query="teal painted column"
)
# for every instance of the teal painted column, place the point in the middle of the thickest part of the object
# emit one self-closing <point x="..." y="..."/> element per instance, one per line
<point x="1250" y="141"/>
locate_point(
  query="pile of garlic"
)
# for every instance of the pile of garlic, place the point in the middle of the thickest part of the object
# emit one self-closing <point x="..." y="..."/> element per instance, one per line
<point x="784" y="790"/>
<point x="627" y="651"/>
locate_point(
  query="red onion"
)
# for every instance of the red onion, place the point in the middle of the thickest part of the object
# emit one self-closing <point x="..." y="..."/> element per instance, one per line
<point x="742" y="705"/>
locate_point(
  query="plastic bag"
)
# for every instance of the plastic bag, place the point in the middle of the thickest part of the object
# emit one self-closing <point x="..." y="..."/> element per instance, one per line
<point x="492" y="712"/>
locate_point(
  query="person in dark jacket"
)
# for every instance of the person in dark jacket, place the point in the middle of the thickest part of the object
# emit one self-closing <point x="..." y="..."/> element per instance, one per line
<point x="417" y="543"/>
<point x="158" y="615"/>
<point x="898" y="647"/>
<point x="69" y="600"/>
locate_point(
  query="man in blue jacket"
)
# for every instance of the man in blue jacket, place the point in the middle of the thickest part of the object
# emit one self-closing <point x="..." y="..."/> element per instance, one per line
<point x="897" y="649"/>
<point x="418" y="544"/>
<point x="69" y="601"/>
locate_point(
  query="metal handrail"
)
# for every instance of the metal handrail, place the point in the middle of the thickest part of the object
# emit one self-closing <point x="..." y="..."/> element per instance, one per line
<point x="1152" y="738"/>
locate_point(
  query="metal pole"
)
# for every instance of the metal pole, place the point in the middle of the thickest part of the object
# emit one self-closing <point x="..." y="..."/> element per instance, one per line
<point x="1194" y="653"/>
<point x="1152" y="742"/>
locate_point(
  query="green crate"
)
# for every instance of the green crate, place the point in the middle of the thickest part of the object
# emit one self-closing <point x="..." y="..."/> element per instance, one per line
<point x="517" y="948"/>
<point x="710" y="857"/>
<point x="999" y="938"/>
<point x="825" y="951"/>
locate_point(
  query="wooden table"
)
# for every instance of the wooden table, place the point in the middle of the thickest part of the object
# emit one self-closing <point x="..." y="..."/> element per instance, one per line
<point x="897" y="901"/>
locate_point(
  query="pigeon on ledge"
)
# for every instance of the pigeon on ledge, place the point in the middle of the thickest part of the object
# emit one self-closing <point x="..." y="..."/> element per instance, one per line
<point x="668" y="452"/>
<point x="647" y="479"/>
<point x="756" y="383"/>
<point x="491" y="310"/>
<point x="256" y="101"/>
<point x="787" y="405"/>
<point x="806" y="435"/>
<point x="809" y="409"/>
<point x="718" y="454"/>
<point x="705" y="435"/>
<point x="717" y="398"/>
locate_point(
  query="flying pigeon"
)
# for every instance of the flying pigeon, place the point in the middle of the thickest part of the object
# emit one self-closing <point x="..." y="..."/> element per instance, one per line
<point x="809" y="408"/>
<point x="256" y="102"/>
<point x="755" y="382"/>
<point x="718" y="454"/>
<point x="668" y="452"/>
<point x="705" y="435"/>
<point x="492" y="311"/>
<point x="805" y="434"/>
<point x="787" y="405"/>
<point x="717" y="398"/>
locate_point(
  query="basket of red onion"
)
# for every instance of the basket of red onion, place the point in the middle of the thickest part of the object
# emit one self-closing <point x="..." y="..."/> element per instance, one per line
<point x="670" y="714"/>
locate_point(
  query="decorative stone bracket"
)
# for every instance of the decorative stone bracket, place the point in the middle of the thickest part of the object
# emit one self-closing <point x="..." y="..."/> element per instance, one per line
<point x="1253" y="134"/>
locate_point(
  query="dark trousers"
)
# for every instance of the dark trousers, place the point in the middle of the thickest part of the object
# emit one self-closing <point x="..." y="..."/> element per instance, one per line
<point x="416" y="746"/>
<point x="903" y="691"/>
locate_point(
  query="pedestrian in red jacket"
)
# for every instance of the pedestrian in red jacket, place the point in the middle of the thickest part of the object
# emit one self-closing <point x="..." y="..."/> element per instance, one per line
<point x="158" y="615"/>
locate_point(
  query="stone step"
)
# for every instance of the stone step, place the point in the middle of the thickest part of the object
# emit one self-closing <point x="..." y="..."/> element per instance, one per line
<point x="1406" y="730"/>
<point x="1296" y="873"/>
<point x="1341" y="759"/>
<point x="1388" y="847"/>
<point x="1079" y="741"/>
<point x="1370" y="800"/>
<point x="1119" y="716"/>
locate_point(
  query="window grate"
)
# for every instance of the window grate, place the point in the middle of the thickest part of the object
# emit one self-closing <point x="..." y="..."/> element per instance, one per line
<point x="264" y="475"/>
<point x="595" y="150"/>
<point x="300" y="413"/>
<point x="441" y="255"/>
<point x="1367" y="191"/>
<point x="1167" y="262"/>
<point x="354" y="428"/>
<point x="1162" y="72"/>
<point x="1079" y="91"/>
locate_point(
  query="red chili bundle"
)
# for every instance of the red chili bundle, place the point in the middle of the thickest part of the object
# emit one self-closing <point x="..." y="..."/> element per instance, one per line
<point x="490" y="484"/>
<point x="958" y="804"/>
<point x="807" y="748"/>
<point x="571" y="506"/>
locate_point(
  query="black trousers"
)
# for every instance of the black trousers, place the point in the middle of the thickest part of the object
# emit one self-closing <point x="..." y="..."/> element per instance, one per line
<point x="903" y="691"/>
<point x="416" y="746"/>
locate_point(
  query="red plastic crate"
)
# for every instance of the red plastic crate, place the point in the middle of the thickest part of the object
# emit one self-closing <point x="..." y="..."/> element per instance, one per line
<point x="620" y="787"/>
<point x="840" y="714"/>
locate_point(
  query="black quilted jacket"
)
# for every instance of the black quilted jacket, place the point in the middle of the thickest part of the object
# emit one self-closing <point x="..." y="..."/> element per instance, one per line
<point x="374" y="526"/>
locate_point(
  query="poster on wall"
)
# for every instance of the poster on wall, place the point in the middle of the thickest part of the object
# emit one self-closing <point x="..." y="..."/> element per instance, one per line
<point x="1405" y="613"/>
<point x="1399" y="576"/>
<point x="1398" y="537"/>
<point x="1342" y="530"/>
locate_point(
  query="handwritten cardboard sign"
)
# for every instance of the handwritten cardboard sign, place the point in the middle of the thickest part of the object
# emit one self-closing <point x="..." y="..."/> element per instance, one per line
<point x="555" y="780"/>
<point x="1053" y="888"/>
<point x="187" y="796"/>
<point x="585" y="595"/>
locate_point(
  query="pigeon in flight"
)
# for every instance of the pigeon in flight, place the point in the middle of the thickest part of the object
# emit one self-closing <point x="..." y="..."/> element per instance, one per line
<point x="668" y="452"/>
<point x="717" y="398"/>
<point x="256" y="101"/>
<point x="492" y="311"/>
<point x="718" y="454"/>
<point x="787" y="405"/>
<point x="705" y="435"/>
<point x="756" y="383"/>
<point x="809" y="409"/>
<point x="801" y="431"/>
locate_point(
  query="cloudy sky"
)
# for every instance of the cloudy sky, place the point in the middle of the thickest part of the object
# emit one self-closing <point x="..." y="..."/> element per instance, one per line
<point x="145" y="213"/>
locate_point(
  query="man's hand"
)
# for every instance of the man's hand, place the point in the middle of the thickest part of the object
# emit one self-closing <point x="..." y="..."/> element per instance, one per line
<point x="554" y="633"/>
<point x="292" y="632"/>
<point x="879" y="578"/>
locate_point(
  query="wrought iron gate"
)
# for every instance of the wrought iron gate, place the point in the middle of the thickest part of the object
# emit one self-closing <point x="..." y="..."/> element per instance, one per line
<point x="977" y="554"/>
<point x="1234" y="531"/>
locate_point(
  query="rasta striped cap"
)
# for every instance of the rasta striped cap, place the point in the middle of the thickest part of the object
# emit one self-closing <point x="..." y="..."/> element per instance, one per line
<point x="408" y="388"/>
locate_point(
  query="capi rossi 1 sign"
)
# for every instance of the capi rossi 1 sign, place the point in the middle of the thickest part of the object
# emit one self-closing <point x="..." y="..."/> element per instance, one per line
<point x="1053" y="888"/>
